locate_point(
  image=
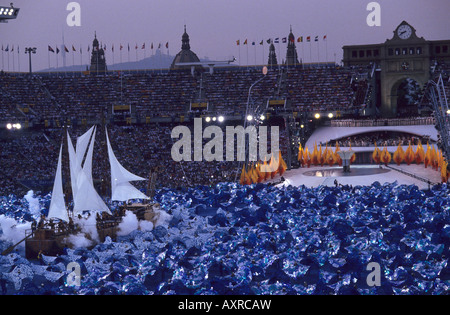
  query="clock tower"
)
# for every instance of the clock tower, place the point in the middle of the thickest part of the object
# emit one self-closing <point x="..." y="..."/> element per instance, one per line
<point x="405" y="56"/>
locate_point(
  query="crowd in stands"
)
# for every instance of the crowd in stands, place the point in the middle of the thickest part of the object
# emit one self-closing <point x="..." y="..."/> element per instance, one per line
<point x="65" y="96"/>
<point x="406" y="121"/>
<point x="381" y="139"/>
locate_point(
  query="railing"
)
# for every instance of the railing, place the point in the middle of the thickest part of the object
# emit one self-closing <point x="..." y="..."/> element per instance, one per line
<point x="417" y="121"/>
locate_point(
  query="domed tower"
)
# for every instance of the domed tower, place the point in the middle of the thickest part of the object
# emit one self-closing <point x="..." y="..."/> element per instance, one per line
<point x="291" y="54"/>
<point x="185" y="55"/>
<point x="98" y="61"/>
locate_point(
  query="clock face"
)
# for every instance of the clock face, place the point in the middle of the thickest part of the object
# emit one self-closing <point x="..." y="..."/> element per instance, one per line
<point x="404" y="32"/>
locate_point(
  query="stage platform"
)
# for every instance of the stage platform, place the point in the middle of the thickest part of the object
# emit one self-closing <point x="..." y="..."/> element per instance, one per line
<point x="364" y="175"/>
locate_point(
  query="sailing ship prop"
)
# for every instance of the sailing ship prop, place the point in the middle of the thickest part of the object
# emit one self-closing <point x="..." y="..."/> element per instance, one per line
<point x="52" y="234"/>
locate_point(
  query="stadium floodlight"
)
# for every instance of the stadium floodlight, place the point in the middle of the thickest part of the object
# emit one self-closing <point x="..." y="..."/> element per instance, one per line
<point x="448" y="111"/>
<point x="214" y="118"/>
<point x="29" y="51"/>
<point x="249" y="117"/>
<point x="208" y="119"/>
<point x="262" y="117"/>
<point x="330" y="115"/>
<point x="8" y="13"/>
<point x="221" y="118"/>
<point x="317" y="116"/>
<point x="10" y="126"/>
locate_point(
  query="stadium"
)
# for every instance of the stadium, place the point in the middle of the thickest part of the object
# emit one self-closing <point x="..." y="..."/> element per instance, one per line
<point x="311" y="225"/>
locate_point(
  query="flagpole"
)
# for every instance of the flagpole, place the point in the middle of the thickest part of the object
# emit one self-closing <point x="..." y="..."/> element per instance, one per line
<point x="310" y="51"/>
<point x="57" y="56"/>
<point x="318" y="51"/>
<point x="112" y="50"/>
<point x="18" y="57"/>
<point x="48" y="56"/>
<point x="81" y="59"/>
<point x="326" y="48"/>
<point x="14" y="60"/>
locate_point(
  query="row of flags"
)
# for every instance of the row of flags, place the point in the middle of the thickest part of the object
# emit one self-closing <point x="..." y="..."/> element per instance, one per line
<point x="74" y="49"/>
<point x="121" y="47"/>
<point x="433" y="157"/>
<point x="319" y="156"/>
<point x="255" y="172"/>
<point x="10" y="50"/>
<point x="284" y="40"/>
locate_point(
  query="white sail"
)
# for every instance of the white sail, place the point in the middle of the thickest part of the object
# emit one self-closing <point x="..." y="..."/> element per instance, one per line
<point x="85" y="196"/>
<point x="57" y="204"/>
<point x="121" y="189"/>
<point x="82" y="144"/>
<point x="76" y="157"/>
<point x="87" y="167"/>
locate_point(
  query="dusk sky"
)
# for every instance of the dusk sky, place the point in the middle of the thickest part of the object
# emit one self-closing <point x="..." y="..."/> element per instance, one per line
<point x="214" y="26"/>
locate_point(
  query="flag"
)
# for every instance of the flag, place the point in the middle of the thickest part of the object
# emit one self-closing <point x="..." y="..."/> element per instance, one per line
<point x="284" y="40"/>
<point x="65" y="49"/>
<point x="300" y="39"/>
<point x="167" y="45"/>
<point x="262" y="42"/>
<point x="12" y="48"/>
<point x="238" y="42"/>
<point x="121" y="47"/>
<point x="112" y="48"/>
<point x="143" y="46"/>
<point x="325" y="37"/>
<point x="277" y="40"/>
<point x="73" y="48"/>
<point x="151" y="46"/>
<point x="245" y="43"/>
<point x="128" y="47"/>
<point x="253" y="43"/>
<point x="308" y="39"/>
<point x="2" y="48"/>
<point x="136" y="47"/>
<point x="7" y="48"/>
<point x="316" y="39"/>
<point x="269" y="41"/>
<point x="57" y="50"/>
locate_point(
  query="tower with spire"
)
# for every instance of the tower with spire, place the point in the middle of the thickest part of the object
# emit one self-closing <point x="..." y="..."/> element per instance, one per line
<point x="272" y="56"/>
<point x="186" y="55"/>
<point x="291" y="54"/>
<point x="98" y="61"/>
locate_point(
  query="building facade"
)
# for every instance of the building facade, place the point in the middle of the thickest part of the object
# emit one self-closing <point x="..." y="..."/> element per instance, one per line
<point x="404" y="56"/>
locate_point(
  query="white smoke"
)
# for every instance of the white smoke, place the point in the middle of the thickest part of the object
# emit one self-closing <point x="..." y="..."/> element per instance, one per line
<point x="129" y="224"/>
<point x="88" y="235"/>
<point x="33" y="204"/>
<point x="13" y="231"/>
